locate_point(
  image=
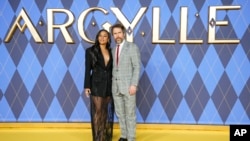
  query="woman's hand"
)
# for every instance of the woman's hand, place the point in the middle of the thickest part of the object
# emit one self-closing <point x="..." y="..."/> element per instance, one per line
<point x="87" y="92"/>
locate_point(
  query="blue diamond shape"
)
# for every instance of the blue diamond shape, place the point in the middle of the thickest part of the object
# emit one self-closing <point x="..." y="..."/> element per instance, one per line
<point x="197" y="97"/>
<point x="157" y="69"/>
<point x="130" y="10"/>
<point x="29" y="112"/>
<point x="77" y="68"/>
<point x="55" y="68"/>
<point x="245" y="10"/>
<point x="14" y="4"/>
<point x="224" y="97"/>
<point x="211" y="69"/>
<point x="238" y="69"/>
<point x="80" y="112"/>
<point x="67" y="95"/>
<point x="32" y="10"/>
<point x="16" y="94"/>
<point x="55" y="112"/>
<point x="7" y="68"/>
<point x="238" y="115"/>
<point x="157" y="113"/>
<point x="5" y="18"/>
<point x="145" y="96"/>
<point x="210" y="114"/>
<point x="236" y="17"/>
<point x="163" y="16"/>
<point x="184" y="69"/>
<point x="139" y="117"/>
<point x="5" y="111"/>
<point x="42" y="94"/>
<point x="245" y="98"/>
<point x="183" y="114"/>
<point x="29" y="68"/>
<point x="40" y="4"/>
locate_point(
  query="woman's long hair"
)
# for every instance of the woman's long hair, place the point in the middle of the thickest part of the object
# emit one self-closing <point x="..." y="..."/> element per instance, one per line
<point x="97" y="44"/>
<point x="96" y="47"/>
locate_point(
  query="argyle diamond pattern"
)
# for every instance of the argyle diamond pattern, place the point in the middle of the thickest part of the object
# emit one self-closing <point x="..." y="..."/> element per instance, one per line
<point x="179" y="83"/>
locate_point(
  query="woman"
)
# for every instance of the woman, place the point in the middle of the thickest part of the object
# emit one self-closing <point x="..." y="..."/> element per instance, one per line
<point x="97" y="84"/>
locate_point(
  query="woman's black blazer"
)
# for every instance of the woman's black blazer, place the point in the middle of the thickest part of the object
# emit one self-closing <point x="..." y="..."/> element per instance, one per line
<point x="98" y="77"/>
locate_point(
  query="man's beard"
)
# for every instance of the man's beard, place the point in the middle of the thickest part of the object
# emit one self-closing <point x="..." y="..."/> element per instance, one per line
<point x="119" y="40"/>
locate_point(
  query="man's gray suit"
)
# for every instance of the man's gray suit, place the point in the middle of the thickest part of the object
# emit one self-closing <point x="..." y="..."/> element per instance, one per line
<point x="127" y="73"/>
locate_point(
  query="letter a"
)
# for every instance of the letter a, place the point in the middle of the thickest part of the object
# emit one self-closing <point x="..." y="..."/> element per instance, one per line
<point x="237" y="132"/>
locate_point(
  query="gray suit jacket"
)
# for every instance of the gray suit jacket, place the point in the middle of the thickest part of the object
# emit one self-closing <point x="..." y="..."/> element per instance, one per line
<point x="128" y="71"/>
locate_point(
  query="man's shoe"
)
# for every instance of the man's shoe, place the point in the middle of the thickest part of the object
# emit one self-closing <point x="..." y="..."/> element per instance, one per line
<point x="122" y="139"/>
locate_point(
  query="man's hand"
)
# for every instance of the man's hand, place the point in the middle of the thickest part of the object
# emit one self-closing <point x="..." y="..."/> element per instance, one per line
<point x="132" y="90"/>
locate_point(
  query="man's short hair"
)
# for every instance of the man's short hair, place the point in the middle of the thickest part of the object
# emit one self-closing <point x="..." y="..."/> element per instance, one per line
<point x="118" y="25"/>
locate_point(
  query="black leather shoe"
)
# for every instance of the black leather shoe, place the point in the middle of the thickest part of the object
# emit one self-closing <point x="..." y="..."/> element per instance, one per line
<point x="122" y="139"/>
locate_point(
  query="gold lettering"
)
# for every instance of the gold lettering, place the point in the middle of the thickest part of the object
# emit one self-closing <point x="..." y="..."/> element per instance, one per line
<point x="126" y="23"/>
<point x="212" y="23"/>
<point x="62" y="27"/>
<point x="156" y="28"/>
<point x="81" y="20"/>
<point x="27" y="24"/>
<point x="183" y="28"/>
<point x="130" y="26"/>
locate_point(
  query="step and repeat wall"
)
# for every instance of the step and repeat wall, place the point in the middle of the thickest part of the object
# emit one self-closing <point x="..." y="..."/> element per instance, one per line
<point x="195" y="58"/>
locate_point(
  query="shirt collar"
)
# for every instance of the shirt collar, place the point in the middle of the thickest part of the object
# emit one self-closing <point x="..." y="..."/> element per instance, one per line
<point x="121" y="44"/>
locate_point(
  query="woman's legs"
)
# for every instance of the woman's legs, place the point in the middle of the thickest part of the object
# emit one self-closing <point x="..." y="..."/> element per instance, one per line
<point x="99" y="117"/>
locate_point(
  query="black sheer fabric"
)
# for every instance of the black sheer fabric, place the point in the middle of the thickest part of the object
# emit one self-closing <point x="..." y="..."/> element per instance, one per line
<point x="102" y="117"/>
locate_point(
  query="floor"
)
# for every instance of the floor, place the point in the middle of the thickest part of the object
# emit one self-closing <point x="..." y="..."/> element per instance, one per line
<point x="82" y="132"/>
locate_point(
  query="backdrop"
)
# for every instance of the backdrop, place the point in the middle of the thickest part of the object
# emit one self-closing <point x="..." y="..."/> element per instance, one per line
<point x="184" y="79"/>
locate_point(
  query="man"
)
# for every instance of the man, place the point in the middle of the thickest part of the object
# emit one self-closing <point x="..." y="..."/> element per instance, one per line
<point x="126" y="73"/>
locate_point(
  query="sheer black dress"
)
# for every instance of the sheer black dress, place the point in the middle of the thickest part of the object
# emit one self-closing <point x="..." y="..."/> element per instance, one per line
<point x="98" y="77"/>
